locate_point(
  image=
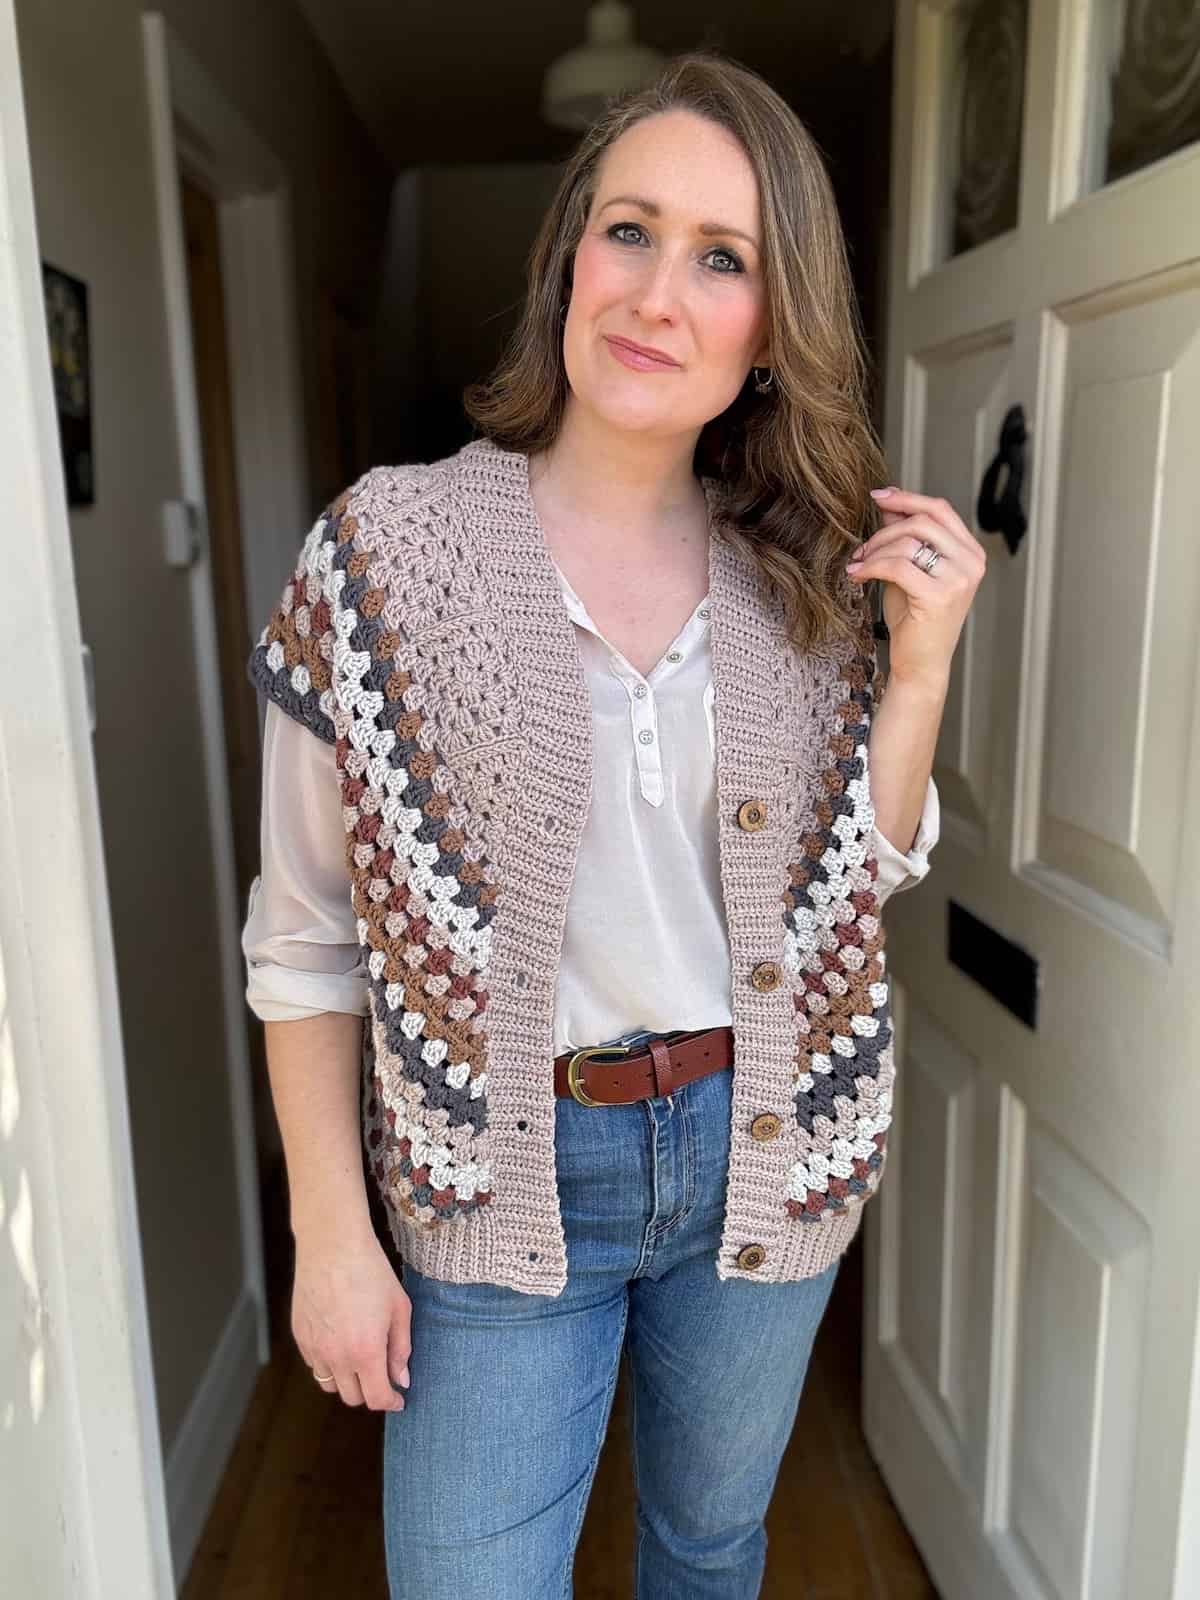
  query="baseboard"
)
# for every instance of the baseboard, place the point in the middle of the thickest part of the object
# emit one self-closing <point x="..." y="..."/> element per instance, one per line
<point x="202" y="1448"/>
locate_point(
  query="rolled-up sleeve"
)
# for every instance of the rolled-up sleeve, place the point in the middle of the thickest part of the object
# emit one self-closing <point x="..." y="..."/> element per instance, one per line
<point x="300" y="938"/>
<point x="898" y="870"/>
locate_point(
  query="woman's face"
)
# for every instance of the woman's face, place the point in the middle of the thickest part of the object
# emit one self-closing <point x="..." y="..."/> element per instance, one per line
<point x="670" y="258"/>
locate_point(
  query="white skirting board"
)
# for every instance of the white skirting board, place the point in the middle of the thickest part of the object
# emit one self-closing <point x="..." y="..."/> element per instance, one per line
<point x="202" y="1448"/>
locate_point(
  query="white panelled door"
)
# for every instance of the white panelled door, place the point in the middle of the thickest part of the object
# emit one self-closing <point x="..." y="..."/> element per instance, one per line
<point x="1031" y="1327"/>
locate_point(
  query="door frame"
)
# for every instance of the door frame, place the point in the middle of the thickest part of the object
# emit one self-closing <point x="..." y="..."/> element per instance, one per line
<point x="87" y="1506"/>
<point x="195" y="130"/>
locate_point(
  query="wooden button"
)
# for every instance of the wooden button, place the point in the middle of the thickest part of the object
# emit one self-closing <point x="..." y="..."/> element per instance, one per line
<point x="766" y="1126"/>
<point x="752" y="815"/>
<point x="751" y="1256"/>
<point x="766" y="975"/>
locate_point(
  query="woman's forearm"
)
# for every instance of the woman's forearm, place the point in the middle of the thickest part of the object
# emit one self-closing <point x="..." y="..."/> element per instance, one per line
<point x="901" y="745"/>
<point x="314" y="1066"/>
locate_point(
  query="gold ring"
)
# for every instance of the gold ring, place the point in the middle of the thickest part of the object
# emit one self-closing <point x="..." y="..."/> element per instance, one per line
<point x="322" y="1377"/>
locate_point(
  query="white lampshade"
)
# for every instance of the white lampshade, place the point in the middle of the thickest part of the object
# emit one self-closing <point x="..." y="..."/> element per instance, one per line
<point x="579" y="84"/>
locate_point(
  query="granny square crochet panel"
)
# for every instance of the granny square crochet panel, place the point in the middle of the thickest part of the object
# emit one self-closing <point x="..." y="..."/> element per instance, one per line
<point x="388" y="643"/>
<point x="844" y="1065"/>
<point x="424" y="898"/>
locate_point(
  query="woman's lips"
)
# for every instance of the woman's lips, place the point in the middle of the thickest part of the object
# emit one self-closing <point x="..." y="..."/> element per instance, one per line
<point x="635" y="358"/>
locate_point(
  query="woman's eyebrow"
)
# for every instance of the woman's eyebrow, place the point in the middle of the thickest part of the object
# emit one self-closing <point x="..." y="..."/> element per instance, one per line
<point x="653" y="209"/>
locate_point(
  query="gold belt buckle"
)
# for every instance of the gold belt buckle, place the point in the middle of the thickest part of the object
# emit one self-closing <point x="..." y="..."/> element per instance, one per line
<point x="573" y="1083"/>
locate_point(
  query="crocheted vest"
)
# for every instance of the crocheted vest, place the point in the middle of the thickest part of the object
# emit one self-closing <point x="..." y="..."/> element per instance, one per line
<point x="423" y="635"/>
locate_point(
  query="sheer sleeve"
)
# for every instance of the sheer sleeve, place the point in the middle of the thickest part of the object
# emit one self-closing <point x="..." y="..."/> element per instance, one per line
<point x="300" y="938"/>
<point x="898" y="870"/>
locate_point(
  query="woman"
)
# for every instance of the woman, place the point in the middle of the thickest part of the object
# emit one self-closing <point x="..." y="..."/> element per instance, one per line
<point x="592" y="700"/>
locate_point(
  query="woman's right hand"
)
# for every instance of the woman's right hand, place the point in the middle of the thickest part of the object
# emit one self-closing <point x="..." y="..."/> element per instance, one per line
<point x="351" y="1317"/>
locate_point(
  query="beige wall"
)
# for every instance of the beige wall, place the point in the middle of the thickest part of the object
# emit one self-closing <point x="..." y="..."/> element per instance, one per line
<point x="88" y="129"/>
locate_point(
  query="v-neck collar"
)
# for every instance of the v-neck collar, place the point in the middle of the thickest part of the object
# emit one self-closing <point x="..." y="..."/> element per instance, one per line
<point x="498" y="480"/>
<point x="682" y="641"/>
<point x="516" y="466"/>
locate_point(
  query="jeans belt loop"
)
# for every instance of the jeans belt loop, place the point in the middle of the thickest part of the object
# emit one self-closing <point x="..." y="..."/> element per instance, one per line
<point x="661" y="1059"/>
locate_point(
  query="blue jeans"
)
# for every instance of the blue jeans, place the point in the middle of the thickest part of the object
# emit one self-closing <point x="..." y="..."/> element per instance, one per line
<point x="487" y="1470"/>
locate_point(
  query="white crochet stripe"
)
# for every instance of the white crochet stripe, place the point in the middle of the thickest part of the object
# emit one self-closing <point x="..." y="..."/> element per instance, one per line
<point x="415" y="860"/>
<point x="467" y="1179"/>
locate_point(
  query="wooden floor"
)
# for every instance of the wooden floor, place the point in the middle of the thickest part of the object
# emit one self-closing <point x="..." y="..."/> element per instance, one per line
<point x="297" y="1514"/>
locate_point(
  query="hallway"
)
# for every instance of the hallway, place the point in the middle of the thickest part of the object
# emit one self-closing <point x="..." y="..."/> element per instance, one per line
<point x="296" y="1516"/>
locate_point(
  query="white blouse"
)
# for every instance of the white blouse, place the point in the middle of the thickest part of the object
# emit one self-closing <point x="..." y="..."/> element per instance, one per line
<point x="645" y="944"/>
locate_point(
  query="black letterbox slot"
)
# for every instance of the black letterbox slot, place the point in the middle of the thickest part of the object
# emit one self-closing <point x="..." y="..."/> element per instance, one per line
<point x="1004" y="969"/>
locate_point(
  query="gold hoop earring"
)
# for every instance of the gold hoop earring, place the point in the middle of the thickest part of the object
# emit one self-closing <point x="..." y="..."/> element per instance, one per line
<point x="764" y="385"/>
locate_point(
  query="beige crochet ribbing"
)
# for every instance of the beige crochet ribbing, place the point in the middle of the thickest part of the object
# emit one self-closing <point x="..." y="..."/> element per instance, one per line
<point x="424" y="634"/>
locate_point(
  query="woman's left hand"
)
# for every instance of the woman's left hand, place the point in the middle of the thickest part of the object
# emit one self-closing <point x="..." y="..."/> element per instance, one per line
<point x="924" y="611"/>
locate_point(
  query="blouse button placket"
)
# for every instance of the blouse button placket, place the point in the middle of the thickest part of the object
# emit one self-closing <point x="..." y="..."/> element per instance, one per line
<point x="642" y="710"/>
<point x="644" y="719"/>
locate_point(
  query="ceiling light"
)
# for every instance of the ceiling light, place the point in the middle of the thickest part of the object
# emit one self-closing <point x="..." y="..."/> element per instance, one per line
<point x="579" y="84"/>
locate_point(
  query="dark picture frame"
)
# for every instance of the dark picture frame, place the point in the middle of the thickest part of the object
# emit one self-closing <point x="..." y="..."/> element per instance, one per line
<point x="66" y="300"/>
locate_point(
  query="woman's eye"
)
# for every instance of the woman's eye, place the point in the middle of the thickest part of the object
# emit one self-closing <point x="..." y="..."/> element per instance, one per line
<point x="729" y="263"/>
<point x="736" y="265"/>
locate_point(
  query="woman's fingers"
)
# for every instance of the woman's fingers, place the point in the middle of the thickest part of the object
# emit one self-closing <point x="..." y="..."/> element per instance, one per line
<point x="934" y="506"/>
<point x="360" y="1380"/>
<point x="399" y="1345"/>
<point x="917" y="526"/>
<point x="901" y="571"/>
<point x="376" y="1386"/>
<point x="350" y="1320"/>
<point x="902" y="541"/>
<point x="902" y="538"/>
<point x="941" y="527"/>
<point x="347" y="1385"/>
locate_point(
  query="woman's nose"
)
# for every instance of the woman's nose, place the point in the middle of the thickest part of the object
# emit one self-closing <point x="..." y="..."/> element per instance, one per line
<point x="660" y="290"/>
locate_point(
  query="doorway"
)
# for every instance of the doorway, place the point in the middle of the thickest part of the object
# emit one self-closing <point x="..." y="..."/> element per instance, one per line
<point x="214" y="401"/>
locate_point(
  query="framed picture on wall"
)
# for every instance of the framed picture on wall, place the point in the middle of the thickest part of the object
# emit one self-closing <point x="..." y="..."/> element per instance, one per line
<point x="70" y="359"/>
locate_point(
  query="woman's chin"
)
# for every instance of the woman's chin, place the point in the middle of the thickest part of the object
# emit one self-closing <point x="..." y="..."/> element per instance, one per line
<point x="641" y="417"/>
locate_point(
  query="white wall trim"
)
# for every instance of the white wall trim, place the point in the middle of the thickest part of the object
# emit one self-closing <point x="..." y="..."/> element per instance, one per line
<point x="189" y="114"/>
<point x="214" y="143"/>
<point x="204" y="1443"/>
<point x="83" y="1509"/>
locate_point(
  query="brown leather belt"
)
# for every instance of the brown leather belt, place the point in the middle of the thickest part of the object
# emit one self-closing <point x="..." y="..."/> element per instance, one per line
<point x="639" y="1072"/>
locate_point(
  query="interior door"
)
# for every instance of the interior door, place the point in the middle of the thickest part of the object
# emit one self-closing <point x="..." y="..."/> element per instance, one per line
<point x="1031" y="1317"/>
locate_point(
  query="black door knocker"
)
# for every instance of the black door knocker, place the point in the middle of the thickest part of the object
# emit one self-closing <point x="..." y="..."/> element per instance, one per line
<point x="1002" y="513"/>
<point x="994" y="513"/>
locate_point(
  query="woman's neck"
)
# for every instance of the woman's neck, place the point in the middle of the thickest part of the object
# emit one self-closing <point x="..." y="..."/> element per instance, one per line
<point x="607" y="479"/>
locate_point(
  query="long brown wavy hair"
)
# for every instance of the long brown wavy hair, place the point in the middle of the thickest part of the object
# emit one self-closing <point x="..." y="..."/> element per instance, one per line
<point x="794" y="465"/>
